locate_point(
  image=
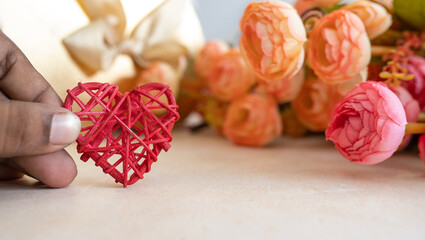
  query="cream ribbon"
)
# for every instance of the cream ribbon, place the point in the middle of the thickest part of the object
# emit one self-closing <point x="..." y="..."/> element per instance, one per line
<point x="168" y="32"/>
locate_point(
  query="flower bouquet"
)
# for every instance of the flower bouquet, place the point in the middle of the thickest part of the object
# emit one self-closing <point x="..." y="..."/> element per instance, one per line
<point x="354" y="71"/>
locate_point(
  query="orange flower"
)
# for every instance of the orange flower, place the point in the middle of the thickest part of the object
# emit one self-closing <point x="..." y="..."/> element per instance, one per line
<point x="339" y="48"/>
<point x="374" y="16"/>
<point x="252" y="120"/>
<point x="231" y="76"/>
<point x="291" y="124"/>
<point x="208" y="55"/>
<point x="272" y="39"/>
<point x="157" y="72"/>
<point x="302" y="5"/>
<point x="284" y="90"/>
<point x="314" y="104"/>
<point x="322" y="3"/>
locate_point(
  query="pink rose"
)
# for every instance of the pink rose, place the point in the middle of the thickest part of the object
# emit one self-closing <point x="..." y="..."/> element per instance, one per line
<point x="374" y="16"/>
<point x="252" y="120"/>
<point x="368" y="124"/>
<point x="208" y="55"/>
<point x="421" y="147"/>
<point x="231" y="76"/>
<point x="416" y="66"/>
<point x="339" y="48"/>
<point x="284" y="90"/>
<point x="411" y="107"/>
<point x="272" y="39"/>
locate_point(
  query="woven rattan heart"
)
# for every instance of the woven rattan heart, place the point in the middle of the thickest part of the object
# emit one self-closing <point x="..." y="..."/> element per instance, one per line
<point x="119" y="131"/>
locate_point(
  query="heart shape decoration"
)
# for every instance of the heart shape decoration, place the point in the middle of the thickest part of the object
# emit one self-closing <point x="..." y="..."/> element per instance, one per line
<point x="120" y="132"/>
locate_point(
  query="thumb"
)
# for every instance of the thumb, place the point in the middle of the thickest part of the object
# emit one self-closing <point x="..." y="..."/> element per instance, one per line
<point x="28" y="128"/>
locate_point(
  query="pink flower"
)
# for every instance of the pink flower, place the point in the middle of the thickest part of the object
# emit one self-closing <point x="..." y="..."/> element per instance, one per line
<point x="411" y="107"/>
<point x="252" y="120"/>
<point x="284" y="90"/>
<point x="208" y="56"/>
<point x="416" y="66"/>
<point x="315" y="103"/>
<point x="421" y="146"/>
<point x="368" y="124"/>
<point x="374" y="16"/>
<point x="230" y="77"/>
<point x="272" y="39"/>
<point x="322" y="3"/>
<point x="339" y="48"/>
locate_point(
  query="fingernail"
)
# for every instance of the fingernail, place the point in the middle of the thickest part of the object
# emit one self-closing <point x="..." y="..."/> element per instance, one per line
<point x="65" y="128"/>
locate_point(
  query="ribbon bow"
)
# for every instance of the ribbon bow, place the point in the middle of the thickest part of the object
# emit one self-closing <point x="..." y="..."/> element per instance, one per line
<point x="164" y="34"/>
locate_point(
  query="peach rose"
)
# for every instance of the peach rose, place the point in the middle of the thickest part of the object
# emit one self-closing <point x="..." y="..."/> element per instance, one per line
<point x="231" y="76"/>
<point x="368" y="124"/>
<point x="322" y="3"/>
<point x="302" y="5"/>
<point x="208" y="55"/>
<point x="339" y="48"/>
<point x="315" y="103"/>
<point x="214" y="112"/>
<point x="375" y="17"/>
<point x="272" y="39"/>
<point x="157" y="72"/>
<point x="284" y="90"/>
<point x="252" y="120"/>
<point x="412" y="109"/>
<point x="291" y="124"/>
<point x="388" y="4"/>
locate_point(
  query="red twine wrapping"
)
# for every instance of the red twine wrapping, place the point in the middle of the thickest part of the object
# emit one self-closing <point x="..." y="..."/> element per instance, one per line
<point x="123" y="125"/>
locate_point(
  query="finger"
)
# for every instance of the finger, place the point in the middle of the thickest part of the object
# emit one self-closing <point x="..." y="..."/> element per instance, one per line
<point x="55" y="169"/>
<point x="18" y="78"/>
<point x="2" y="96"/>
<point x="8" y="173"/>
<point x="35" y="128"/>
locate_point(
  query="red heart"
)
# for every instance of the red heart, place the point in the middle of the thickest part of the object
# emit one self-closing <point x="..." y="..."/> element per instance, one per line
<point x="141" y="134"/>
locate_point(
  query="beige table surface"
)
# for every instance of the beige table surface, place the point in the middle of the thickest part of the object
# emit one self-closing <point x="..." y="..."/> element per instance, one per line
<point x="207" y="188"/>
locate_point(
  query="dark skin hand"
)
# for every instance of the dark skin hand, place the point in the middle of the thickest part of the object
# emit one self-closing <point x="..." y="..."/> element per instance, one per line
<point x="34" y="128"/>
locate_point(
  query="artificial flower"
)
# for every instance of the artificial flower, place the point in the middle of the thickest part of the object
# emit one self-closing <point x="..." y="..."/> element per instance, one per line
<point x="416" y="66"/>
<point x="322" y="3"/>
<point x="161" y="72"/>
<point x="388" y="4"/>
<point x="339" y="48"/>
<point x="411" y="107"/>
<point x="375" y="17"/>
<point x="315" y="103"/>
<point x="272" y="39"/>
<point x="368" y="124"/>
<point x="231" y="76"/>
<point x="214" y="112"/>
<point x="284" y="90"/>
<point x="302" y="5"/>
<point x="208" y="56"/>
<point x="291" y="124"/>
<point x="252" y="120"/>
<point x="421" y="146"/>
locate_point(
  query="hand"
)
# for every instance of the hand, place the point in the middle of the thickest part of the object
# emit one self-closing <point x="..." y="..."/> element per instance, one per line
<point x="34" y="128"/>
